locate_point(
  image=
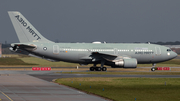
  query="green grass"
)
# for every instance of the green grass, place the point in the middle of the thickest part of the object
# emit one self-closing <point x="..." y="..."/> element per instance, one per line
<point x="127" y="89"/>
<point x="13" y="61"/>
<point x="123" y="73"/>
<point x="170" y="63"/>
<point x="174" y="61"/>
<point x="41" y="62"/>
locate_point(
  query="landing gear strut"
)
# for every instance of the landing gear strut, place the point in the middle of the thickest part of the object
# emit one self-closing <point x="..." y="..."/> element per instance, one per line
<point x="153" y="67"/>
<point x="102" y="64"/>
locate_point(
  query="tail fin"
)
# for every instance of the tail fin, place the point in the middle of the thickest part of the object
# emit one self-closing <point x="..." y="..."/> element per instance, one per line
<point x="24" y="30"/>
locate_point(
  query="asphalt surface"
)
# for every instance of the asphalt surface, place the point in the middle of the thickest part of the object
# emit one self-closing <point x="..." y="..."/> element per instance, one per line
<point x="19" y="86"/>
<point x="16" y="85"/>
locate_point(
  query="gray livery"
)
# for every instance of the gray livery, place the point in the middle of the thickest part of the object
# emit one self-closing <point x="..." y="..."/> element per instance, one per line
<point x="116" y="55"/>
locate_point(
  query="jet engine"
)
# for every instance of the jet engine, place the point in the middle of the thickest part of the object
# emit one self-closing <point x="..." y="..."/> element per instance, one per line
<point x="126" y="63"/>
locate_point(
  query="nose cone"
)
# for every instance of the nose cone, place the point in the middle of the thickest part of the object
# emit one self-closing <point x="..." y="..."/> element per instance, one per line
<point x="173" y="55"/>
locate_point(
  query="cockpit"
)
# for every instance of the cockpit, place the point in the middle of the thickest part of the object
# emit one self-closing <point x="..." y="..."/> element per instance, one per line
<point x="169" y="50"/>
<point x="171" y="54"/>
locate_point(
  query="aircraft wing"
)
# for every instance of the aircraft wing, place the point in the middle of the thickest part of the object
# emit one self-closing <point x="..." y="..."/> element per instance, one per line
<point x="104" y="55"/>
<point x="108" y="57"/>
<point x="96" y="56"/>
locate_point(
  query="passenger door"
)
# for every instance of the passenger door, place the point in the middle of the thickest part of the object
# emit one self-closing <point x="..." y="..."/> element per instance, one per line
<point x="115" y="51"/>
<point x="158" y="50"/>
<point x="55" y="49"/>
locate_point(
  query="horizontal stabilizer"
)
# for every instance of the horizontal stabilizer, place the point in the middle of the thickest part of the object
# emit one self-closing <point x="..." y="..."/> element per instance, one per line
<point x="25" y="46"/>
<point x="29" y="47"/>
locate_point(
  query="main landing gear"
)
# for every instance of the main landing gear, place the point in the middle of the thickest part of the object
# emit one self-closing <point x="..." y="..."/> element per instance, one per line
<point x="97" y="68"/>
<point x="102" y="68"/>
<point x="153" y="67"/>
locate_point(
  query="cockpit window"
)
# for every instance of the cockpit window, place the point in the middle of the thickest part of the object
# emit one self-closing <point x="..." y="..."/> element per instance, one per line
<point x="169" y="50"/>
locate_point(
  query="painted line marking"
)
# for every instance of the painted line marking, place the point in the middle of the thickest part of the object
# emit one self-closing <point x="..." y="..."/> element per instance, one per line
<point x="6" y="96"/>
<point x="80" y="92"/>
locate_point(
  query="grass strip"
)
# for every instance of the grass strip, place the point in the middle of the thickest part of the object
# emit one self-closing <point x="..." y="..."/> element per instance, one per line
<point x="123" y="73"/>
<point x="13" y="61"/>
<point x="32" y="61"/>
<point x="128" y="89"/>
<point x="46" y="63"/>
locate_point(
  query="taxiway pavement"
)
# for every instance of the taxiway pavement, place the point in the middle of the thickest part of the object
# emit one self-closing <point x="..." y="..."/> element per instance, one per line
<point x="19" y="86"/>
<point x="27" y="85"/>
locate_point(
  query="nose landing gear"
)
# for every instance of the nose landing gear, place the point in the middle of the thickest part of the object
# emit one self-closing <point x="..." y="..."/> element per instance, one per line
<point x="153" y="67"/>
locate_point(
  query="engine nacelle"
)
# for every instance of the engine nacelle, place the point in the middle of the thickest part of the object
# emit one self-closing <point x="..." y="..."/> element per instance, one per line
<point x="127" y="63"/>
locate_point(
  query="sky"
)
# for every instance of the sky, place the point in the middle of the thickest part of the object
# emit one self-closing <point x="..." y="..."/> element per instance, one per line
<point x="122" y="21"/>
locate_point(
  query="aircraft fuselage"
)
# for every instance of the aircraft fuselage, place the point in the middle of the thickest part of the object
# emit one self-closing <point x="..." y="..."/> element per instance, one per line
<point x="82" y="52"/>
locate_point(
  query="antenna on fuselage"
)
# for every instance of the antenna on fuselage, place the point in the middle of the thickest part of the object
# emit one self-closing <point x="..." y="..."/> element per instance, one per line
<point x="149" y="42"/>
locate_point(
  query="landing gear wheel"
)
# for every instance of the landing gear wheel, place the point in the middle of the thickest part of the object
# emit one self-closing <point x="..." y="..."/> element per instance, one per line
<point x="153" y="69"/>
<point x="104" y="69"/>
<point x="98" y="68"/>
<point x="91" y="68"/>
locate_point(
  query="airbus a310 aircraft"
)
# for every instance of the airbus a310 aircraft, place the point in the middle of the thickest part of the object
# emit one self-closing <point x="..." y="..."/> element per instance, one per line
<point x="116" y="55"/>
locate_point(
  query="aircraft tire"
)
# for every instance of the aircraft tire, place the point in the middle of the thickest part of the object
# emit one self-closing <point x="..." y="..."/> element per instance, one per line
<point x="91" y="68"/>
<point x="104" y="69"/>
<point x="153" y="69"/>
<point x="98" y="68"/>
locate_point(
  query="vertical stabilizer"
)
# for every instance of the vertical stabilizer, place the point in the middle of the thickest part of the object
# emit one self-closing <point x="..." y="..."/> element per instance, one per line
<point x="24" y="30"/>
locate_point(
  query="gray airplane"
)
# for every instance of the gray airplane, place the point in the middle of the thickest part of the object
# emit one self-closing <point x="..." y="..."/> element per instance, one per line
<point x="116" y="55"/>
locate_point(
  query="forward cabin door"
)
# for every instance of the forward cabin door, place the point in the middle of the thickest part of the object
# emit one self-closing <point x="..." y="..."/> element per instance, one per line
<point x="115" y="51"/>
<point x="55" y="49"/>
<point x="158" y="50"/>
